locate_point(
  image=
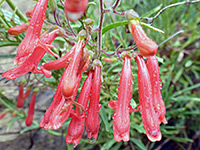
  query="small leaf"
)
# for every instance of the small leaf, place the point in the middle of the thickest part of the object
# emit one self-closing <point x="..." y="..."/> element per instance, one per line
<point x="138" y="143"/>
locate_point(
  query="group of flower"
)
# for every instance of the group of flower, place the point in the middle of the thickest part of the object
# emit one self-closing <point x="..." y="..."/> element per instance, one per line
<point x="76" y="61"/>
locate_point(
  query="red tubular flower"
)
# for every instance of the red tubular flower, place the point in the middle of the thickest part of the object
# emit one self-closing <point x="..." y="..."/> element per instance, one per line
<point x="20" y="96"/>
<point x="146" y="46"/>
<point x="29" y="118"/>
<point x="74" y="9"/>
<point x="61" y="107"/>
<point x="149" y="117"/>
<point x="32" y="37"/>
<point x="18" y="29"/>
<point x="2" y="115"/>
<point x="92" y="121"/>
<point x="29" y="13"/>
<point x="31" y="63"/>
<point x="76" y="126"/>
<point x="70" y="77"/>
<point x="121" y="117"/>
<point x="158" y="103"/>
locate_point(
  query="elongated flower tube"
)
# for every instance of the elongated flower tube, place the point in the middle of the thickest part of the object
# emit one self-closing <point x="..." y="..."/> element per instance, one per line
<point x="59" y="111"/>
<point x="149" y="117"/>
<point x="92" y="121"/>
<point x="18" y="29"/>
<point x="74" y="9"/>
<point x="121" y="117"/>
<point x="32" y="37"/>
<point x="31" y="64"/>
<point x="2" y="115"/>
<point x="70" y="78"/>
<point x="158" y="103"/>
<point x="20" y="96"/>
<point x="76" y="126"/>
<point x="29" y="118"/>
<point x="146" y="46"/>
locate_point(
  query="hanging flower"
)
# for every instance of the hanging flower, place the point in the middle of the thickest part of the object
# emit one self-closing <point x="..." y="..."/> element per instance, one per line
<point x="76" y="126"/>
<point x="29" y="118"/>
<point x="20" y="96"/>
<point x="60" y="109"/>
<point x="18" y="29"/>
<point x="158" y="103"/>
<point x="121" y="117"/>
<point x="32" y="37"/>
<point x="31" y="63"/>
<point x="146" y="46"/>
<point x="149" y="117"/>
<point x="74" y="9"/>
<point x="92" y="121"/>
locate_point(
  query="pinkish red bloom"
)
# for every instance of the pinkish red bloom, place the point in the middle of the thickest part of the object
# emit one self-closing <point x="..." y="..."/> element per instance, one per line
<point x="2" y="115"/>
<point x="121" y="117"/>
<point x="29" y="118"/>
<point x="18" y="29"/>
<point x="76" y="126"/>
<point x="32" y="40"/>
<point x="59" y="111"/>
<point x="31" y="63"/>
<point x="92" y="121"/>
<point x="158" y="103"/>
<point x="20" y="96"/>
<point x="74" y="9"/>
<point x="149" y="117"/>
<point x="70" y="77"/>
<point x="146" y="46"/>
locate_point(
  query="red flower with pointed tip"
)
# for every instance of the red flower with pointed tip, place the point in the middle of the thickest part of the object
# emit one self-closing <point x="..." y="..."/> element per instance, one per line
<point x="20" y="96"/>
<point x="60" y="109"/>
<point x="92" y="121"/>
<point x="76" y="126"/>
<point x="74" y="9"/>
<point x="31" y="63"/>
<point x="121" y="117"/>
<point x="18" y="29"/>
<point x="32" y="37"/>
<point x="149" y="117"/>
<point x="158" y="103"/>
<point x="146" y="46"/>
<point x="29" y="118"/>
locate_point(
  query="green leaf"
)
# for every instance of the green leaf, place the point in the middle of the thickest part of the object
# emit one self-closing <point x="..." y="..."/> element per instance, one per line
<point x="12" y="122"/>
<point x="114" y="25"/>
<point x="32" y="127"/>
<point x="108" y="144"/>
<point x="104" y="117"/>
<point x="138" y="143"/>
<point x="8" y="44"/>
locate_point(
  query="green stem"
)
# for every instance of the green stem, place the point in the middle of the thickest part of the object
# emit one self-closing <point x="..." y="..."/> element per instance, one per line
<point x="18" y="12"/>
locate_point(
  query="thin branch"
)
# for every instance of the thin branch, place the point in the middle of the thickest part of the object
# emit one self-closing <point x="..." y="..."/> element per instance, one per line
<point x="172" y="5"/>
<point x="100" y="29"/>
<point x="129" y="48"/>
<point x="61" y="2"/>
<point x="74" y="34"/>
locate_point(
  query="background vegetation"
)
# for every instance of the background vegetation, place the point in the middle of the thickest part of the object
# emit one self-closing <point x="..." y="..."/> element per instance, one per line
<point x="179" y="58"/>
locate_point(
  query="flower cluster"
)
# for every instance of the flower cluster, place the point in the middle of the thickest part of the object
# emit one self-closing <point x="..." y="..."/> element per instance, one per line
<point x="75" y="62"/>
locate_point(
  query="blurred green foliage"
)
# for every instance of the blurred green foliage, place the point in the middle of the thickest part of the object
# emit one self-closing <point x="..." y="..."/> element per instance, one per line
<point x="179" y="55"/>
